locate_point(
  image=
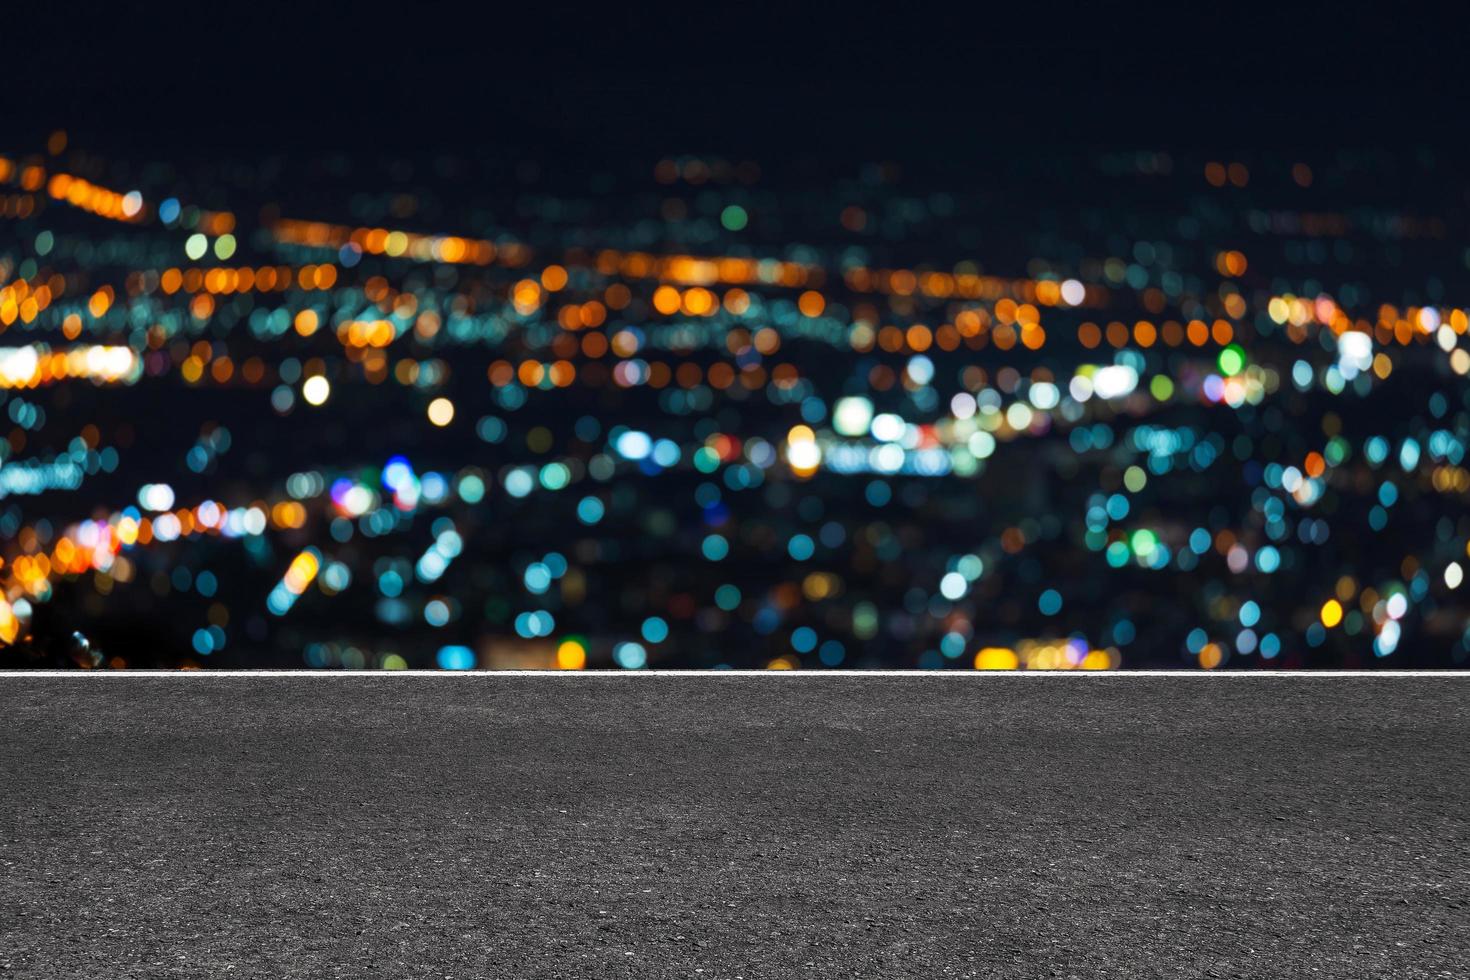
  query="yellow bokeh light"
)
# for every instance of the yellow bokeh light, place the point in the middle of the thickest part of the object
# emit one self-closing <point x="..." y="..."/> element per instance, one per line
<point x="997" y="658"/>
<point x="316" y="390"/>
<point x="307" y="322"/>
<point x="441" y="411"/>
<point x="9" y="624"/>
<point x="571" y="655"/>
<point x="666" y="300"/>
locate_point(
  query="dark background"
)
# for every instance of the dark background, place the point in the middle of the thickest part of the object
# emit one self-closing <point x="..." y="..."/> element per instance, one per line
<point x="918" y="83"/>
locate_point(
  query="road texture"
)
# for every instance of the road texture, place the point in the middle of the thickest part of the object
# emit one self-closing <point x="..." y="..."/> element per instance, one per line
<point x="734" y="827"/>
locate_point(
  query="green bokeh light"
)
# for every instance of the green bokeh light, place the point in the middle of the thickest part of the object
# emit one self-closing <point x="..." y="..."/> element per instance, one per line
<point x="1232" y="360"/>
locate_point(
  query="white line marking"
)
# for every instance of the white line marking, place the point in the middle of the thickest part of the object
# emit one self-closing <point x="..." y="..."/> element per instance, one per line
<point x="715" y="674"/>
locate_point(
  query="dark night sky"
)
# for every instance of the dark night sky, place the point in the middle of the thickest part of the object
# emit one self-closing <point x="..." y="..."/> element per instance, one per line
<point x="853" y="80"/>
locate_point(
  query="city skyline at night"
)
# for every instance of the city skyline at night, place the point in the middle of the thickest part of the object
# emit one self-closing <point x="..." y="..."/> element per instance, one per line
<point x="712" y="414"/>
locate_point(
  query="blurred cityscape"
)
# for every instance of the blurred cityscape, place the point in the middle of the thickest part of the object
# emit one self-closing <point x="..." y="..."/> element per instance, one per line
<point x="1094" y="410"/>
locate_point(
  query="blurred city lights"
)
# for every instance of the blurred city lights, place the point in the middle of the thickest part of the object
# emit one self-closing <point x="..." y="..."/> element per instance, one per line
<point x="700" y="417"/>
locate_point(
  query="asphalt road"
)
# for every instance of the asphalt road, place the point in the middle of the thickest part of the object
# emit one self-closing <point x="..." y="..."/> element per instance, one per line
<point x="734" y="827"/>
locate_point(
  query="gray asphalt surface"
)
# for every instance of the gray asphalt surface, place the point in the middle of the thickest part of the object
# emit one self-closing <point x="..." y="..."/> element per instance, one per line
<point x="734" y="827"/>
